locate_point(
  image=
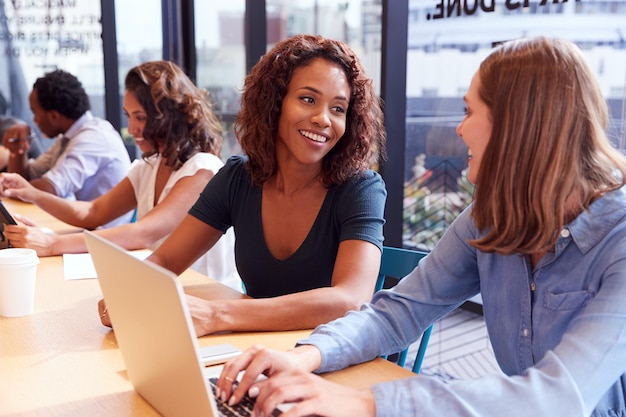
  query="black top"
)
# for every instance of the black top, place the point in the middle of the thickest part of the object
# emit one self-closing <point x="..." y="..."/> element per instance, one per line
<point x="351" y="211"/>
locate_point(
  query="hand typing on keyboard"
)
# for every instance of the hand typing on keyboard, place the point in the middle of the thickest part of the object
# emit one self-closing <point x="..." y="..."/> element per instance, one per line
<point x="243" y="408"/>
<point x="290" y="381"/>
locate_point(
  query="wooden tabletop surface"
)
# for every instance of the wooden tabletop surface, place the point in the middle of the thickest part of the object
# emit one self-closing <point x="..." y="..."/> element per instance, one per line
<point x="61" y="361"/>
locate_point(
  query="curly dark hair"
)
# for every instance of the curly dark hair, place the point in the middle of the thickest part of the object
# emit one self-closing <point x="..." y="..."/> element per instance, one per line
<point x="179" y="113"/>
<point x="265" y="88"/>
<point x="61" y="91"/>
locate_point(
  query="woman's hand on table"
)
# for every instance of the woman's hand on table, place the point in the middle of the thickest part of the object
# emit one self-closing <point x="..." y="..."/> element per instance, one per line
<point x="199" y="309"/>
<point x="203" y="314"/>
<point x="26" y="234"/>
<point x="104" y="314"/>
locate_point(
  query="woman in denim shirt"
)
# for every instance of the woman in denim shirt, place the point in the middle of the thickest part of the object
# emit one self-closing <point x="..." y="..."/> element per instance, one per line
<point x="544" y="242"/>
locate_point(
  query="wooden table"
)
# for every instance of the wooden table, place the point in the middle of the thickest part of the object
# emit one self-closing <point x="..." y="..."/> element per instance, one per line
<point x="61" y="361"/>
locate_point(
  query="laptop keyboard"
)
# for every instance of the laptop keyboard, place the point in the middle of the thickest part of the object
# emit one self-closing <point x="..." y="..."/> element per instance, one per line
<point x="241" y="409"/>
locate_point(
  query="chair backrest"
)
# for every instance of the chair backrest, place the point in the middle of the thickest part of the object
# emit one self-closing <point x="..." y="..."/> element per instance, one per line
<point x="398" y="263"/>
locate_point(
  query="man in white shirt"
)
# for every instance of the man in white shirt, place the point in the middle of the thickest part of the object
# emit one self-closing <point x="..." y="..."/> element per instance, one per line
<point x="88" y="156"/>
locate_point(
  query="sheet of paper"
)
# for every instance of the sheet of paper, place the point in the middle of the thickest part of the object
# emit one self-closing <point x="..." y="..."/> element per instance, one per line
<point x="80" y="265"/>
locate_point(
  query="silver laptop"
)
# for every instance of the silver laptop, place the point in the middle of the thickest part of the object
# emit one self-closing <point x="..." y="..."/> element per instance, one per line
<point x="154" y="332"/>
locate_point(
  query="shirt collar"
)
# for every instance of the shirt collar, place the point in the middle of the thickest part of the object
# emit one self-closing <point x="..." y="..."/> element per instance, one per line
<point x="78" y="124"/>
<point x="592" y="225"/>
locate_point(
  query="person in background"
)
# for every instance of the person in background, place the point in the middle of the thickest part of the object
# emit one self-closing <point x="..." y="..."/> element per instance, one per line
<point x="34" y="149"/>
<point x="88" y="157"/>
<point x="5" y="123"/>
<point x="306" y="209"/>
<point x="544" y="242"/>
<point x="4" y="157"/>
<point x="180" y="137"/>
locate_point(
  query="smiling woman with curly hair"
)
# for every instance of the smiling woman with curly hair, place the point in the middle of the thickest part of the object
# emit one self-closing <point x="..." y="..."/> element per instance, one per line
<point x="306" y="209"/>
<point x="266" y="87"/>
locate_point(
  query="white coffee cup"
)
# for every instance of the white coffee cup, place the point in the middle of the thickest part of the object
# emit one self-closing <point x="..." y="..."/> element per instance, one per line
<point x="18" y="273"/>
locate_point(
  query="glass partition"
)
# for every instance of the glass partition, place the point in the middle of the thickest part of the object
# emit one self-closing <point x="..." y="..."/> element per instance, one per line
<point x="138" y="41"/>
<point x="447" y="40"/>
<point x="40" y="36"/>
<point x="220" y="49"/>
<point x="355" y="22"/>
<point x="221" y="60"/>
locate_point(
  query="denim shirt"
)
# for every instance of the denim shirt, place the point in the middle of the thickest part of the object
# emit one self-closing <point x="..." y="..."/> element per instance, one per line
<point x="558" y="330"/>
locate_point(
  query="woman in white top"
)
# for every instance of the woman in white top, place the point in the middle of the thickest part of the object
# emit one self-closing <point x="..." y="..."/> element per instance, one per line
<point x="180" y="138"/>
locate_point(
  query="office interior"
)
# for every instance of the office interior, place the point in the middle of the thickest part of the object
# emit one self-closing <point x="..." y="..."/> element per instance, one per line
<point x="420" y="54"/>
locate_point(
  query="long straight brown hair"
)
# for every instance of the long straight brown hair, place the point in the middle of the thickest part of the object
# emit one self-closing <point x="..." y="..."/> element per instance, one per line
<point x="548" y="156"/>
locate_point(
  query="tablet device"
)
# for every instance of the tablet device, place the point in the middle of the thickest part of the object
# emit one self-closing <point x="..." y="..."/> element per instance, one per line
<point x="5" y="218"/>
<point x="218" y="354"/>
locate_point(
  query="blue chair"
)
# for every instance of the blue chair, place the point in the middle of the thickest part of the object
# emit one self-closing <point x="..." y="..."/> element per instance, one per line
<point x="397" y="263"/>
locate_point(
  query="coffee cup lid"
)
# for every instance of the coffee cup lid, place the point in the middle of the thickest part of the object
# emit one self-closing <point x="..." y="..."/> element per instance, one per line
<point x="18" y="256"/>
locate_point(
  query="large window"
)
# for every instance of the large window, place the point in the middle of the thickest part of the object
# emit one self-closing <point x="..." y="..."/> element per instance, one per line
<point x="38" y="37"/>
<point x="138" y="41"/>
<point x="357" y="23"/>
<point x="447" y="39"/>
<point x="446" y="43"/>
<point x="220" y="45"/>
<point x="221" y="62"/>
